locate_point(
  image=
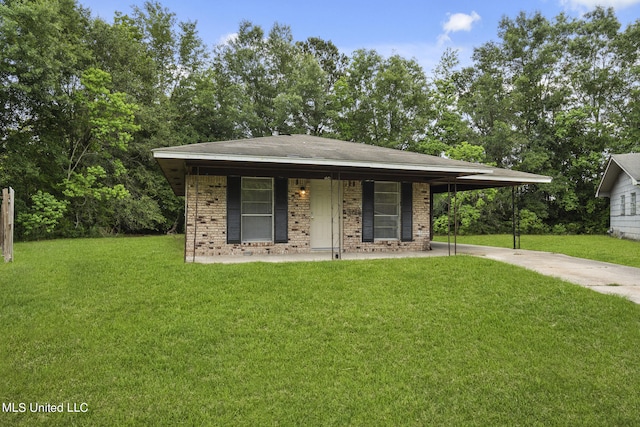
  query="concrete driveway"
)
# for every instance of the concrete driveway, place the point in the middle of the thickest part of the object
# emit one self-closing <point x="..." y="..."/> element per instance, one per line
<point x="602" y="277"/>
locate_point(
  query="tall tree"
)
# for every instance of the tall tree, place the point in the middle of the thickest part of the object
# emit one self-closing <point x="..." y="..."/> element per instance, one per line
<point x="382" y="101"/>
<point x="259" y="68"/>
<point x="447" y="127"/>
<point x="159" y="61"/>
<point x="43" y="56"/>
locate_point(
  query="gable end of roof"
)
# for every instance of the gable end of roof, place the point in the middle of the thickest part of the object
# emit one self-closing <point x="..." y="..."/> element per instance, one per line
<point x="619" y="163"/>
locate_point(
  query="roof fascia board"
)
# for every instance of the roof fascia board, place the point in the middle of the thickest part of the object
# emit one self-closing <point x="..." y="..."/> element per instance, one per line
<point x="316" y="162"/>
<point x="495" y="178"/>
<point x="605" y="191"/>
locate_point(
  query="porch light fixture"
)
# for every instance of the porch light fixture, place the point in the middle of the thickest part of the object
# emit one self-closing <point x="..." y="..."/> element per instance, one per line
<point x="303" y="191"/>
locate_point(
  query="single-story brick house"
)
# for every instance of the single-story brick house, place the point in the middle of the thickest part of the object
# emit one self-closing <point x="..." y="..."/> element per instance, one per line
<point x="286" y="194"/>
<point x="620" y="184"/>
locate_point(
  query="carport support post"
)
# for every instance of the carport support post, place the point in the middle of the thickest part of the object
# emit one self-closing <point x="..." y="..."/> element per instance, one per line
<point x="334" y="254"/>
<point x="195" y="218"/>
<point x="449" y="217"/>
<point x="515" y="220"/>
<point x="455" y="218"/>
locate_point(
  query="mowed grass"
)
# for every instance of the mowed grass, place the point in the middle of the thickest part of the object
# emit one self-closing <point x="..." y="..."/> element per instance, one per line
<point x="599" y="248"/>
<point x="126" y="327"/>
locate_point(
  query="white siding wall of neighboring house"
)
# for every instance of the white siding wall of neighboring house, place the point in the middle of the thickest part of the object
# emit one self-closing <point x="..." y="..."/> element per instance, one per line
<point x="625" y="222"/>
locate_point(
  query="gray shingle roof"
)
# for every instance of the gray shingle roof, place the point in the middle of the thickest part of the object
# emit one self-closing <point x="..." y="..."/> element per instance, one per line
<point x="306" y="149"/>
<point x="304" y="153"/>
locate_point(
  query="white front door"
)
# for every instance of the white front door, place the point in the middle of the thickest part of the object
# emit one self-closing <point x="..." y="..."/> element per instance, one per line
<point x="325" y="226"/>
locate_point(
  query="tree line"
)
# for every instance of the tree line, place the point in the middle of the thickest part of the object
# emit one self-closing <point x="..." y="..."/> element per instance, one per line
<point x="84" y="101"/>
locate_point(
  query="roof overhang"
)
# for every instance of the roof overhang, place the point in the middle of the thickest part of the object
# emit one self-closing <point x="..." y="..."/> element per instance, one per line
<point x="317" y="162"/>
<point x="499" y="178"/>
<point x="610" y="176"/>
<point x="302" y="156"/>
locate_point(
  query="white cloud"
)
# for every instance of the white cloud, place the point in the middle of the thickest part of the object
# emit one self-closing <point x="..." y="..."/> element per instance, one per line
<point x="227" y="38"/>
<point x="460" y="22"/>
<point x="457" y="22"/>
<point x="443" y="38"/>
<point x="591" y="4"/>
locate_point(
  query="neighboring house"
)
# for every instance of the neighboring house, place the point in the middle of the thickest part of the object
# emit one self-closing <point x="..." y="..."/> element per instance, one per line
<point x="298" y="193"/>
<point x="620" y="184"/>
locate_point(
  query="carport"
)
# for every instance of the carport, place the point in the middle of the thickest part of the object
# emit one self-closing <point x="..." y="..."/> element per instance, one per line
<point x="497" y="178"/>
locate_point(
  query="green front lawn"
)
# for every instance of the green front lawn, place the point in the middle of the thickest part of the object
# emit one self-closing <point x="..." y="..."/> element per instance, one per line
<point x="600" y="248"/>
<point x="126" y="327"/>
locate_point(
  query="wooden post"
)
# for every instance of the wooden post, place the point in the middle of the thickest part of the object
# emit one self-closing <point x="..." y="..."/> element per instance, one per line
<point x="7" y="224"/>
<point x="2" y="210"/>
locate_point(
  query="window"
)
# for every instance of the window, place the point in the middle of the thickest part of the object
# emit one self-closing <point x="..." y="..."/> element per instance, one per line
<point x="622" y="205"/>
<point x="633" y="203"/>
<point x="386" y="206"/>
<point x="257" y="209"/>
<point x="387" y="211"/>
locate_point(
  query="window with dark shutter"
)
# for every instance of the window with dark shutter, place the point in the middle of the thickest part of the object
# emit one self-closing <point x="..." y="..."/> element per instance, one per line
<point x="406" y="209"/>
<point x="281" y="193"/>
<point x="257" y="209"/>
<point x="234" y="213"/>
<point x="367" y="210"/>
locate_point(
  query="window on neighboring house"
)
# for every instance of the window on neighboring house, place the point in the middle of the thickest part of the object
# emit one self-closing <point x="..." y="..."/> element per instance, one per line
<point x="622" y="205"/>
<point x="386" y="205"/>
<point x="633" y="204"/>
<point x="257" y="209"/>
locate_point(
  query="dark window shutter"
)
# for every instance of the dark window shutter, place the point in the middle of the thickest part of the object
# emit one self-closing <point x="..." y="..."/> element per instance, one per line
<point x="406" y="212"/>
<point x="367" y="211"/>
<point x="234" y="214"/>
<point x="281" y="194"/>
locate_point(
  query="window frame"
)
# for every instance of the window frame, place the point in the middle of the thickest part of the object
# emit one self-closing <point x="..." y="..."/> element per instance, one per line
<point x="245" y="216"/>
<point x="378" y="192"/>
<point x="633" y="206"/>
<point x="406" y="212"/>
<point x="622" y="205"/>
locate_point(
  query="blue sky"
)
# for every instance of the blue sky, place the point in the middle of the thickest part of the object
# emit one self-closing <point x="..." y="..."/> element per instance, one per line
<point x="411" y="28"/>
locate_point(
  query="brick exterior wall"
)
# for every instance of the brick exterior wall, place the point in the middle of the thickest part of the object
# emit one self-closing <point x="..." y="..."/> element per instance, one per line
<point x="352" y="222"/>
<point x="206" y="221"/>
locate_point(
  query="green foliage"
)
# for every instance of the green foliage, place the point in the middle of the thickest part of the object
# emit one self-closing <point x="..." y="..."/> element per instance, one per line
<point x="530" y="223"/>
<point x="467" y="152"/>
<point x="447" y="127"/>
<point x="382" y="101"/>
<point x="111" y="118"/>
<point x="470" y="212"/>
<point x="43" y="216"/>
<point x="89" y="185"/>
<point x="548" y="96"/>
<point x="133" y="214"/>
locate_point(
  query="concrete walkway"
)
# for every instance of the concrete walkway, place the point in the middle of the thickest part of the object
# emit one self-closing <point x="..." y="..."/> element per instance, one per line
<point x="602" y="277"/>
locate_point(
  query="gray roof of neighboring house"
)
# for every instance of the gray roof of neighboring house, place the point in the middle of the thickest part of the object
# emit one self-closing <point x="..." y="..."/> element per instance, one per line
<point x="618" y="163"/>
<point x="305" y="154"/>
